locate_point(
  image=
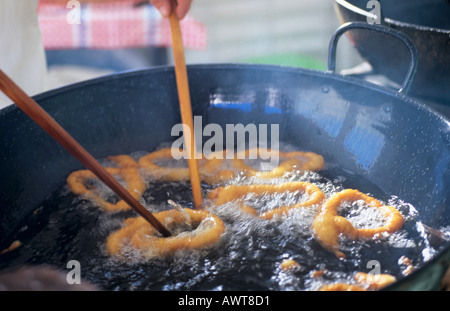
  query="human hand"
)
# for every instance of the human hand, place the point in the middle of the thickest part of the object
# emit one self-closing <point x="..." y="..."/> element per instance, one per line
<point x="165" y="7"/>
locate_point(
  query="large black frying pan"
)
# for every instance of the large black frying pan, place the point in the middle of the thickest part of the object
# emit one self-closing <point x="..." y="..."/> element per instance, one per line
<point x="426" y="22"/>
<point x="382" y="141"/>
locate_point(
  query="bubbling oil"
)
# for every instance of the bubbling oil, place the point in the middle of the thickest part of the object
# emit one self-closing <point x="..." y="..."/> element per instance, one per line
<point x="247" y="257"/>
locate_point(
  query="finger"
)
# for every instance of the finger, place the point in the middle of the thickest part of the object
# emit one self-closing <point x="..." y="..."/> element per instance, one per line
<point x="164" y="6"/>
<point x="183" y="8"/>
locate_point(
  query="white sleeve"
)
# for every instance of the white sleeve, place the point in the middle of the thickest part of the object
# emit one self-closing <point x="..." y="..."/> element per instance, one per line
<point x="22" y="55"/>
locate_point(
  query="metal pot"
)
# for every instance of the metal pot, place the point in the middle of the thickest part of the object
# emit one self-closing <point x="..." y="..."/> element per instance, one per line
<point x="426" y="22"/>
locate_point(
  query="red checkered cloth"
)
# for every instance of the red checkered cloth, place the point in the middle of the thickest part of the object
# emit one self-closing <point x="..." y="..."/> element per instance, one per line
<point x="113" y="25"/>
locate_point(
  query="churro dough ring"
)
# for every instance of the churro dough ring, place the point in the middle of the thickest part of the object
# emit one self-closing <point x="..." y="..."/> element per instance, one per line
<point x="211" y="169"/>
<point x="295" y="160"/>
<point x="328" y="225"/>
<point x="127" y="170"/>
<point x="341" y="287"/>
<point x="365" y="281"/>
<point x="230" y="193"/>
<point x="168" y="173"/>
<point x="138" y="234"/>
<point x="289" y="265"/>
<point x="374" y="281"/>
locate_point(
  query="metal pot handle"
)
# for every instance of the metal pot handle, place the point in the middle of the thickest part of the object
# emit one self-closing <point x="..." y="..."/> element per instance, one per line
<point x="382" y="29"/>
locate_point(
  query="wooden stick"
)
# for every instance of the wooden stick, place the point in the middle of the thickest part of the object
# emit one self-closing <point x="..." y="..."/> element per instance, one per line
<point x="49" y="125"/>
<point x="185" y="105"/>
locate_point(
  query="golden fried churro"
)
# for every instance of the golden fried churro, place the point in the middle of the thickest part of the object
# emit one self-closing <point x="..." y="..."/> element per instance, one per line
<point x="127" y="170"/>
<point x="230" y="193"/>
<point x="199" y="230"/>
<point x="328" y="225"/>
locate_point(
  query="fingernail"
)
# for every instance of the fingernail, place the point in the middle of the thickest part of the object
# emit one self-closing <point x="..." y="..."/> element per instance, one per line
<point x="165" y="11"/>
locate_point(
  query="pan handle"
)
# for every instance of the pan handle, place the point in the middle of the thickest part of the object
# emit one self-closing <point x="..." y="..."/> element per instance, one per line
<point x="407" y="82"/>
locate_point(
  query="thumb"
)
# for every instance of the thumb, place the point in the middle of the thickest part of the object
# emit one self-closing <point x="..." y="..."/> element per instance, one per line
<point x="164" y="6"/>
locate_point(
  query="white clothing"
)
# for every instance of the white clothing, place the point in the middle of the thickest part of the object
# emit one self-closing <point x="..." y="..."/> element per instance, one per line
<point x="22" y="55"/>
